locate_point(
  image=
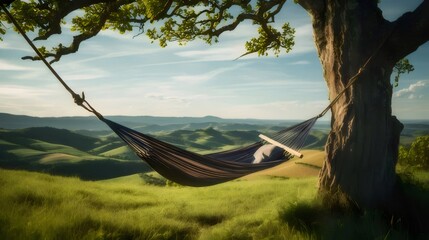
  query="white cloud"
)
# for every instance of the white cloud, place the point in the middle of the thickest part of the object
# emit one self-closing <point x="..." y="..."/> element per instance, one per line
<point x="192" y="79"/>
<point x="22" y="92"/>
<point x="83" y="73"/>
<point x="160" y="97"/>
<point x="17" y="47"/>
<point x="302" y="62"/>
<point x="226" y="51"/>
<point x="304" y="41"/>
<point x="101" y="52"/>
<point x="411" y="89"/>
<point x="7" y="66"/>
<point x="116" y="35"/>
<point x="305" y="30"/>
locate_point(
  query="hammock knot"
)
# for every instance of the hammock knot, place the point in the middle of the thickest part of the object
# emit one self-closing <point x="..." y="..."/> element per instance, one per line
<point x="78" y="99"/>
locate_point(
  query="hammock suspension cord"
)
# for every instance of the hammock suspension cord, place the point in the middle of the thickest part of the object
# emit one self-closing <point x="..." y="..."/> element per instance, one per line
<point x="79" y="100"/>
<point x="355" y="77"/>
<point x="192" y="169"/>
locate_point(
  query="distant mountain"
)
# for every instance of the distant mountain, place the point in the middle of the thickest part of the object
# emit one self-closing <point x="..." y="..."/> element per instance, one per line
<point x="9" y="121"/>
<point x="146" y="123"/>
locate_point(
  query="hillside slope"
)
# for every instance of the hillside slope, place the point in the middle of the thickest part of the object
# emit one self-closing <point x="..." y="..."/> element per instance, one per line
<point x="61" y="152"/>
<point x="308" y="166"/>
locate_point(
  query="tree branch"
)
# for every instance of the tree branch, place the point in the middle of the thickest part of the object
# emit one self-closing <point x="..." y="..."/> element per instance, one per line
<point x="65" y="8"/>
<point x="77" y="40"/>
<point x="314" y="7"/>
<point x="175" y="21"/>
<point x="410" y="31"/>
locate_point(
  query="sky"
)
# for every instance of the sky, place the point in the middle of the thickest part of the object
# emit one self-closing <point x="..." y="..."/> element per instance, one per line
<point x="126" y="75"/>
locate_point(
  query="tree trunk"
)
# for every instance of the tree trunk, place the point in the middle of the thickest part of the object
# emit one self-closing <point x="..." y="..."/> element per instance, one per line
<point x="363" y="143"/>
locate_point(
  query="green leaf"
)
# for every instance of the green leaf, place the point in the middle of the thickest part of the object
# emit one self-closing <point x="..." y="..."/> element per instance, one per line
<point x="401" y="67"/>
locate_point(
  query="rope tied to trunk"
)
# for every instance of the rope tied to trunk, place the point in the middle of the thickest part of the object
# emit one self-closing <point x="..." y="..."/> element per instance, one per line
<point x="355" y="77"/>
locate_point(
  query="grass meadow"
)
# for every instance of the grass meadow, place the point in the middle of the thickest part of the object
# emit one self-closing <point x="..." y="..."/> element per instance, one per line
<point x="41" y="206"/>
<point x="278" y="203"/>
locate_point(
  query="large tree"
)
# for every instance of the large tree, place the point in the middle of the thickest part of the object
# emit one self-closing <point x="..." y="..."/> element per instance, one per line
<point x="362" y="147"/>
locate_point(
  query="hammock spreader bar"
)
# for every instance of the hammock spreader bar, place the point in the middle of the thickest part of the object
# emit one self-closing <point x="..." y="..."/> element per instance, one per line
<point x="280" y="145"/>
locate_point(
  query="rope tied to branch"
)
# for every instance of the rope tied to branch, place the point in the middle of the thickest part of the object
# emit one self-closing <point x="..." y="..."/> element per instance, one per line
<point x="79" y="100"/>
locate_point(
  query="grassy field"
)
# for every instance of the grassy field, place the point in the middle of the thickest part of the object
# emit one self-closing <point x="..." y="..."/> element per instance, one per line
<point x="40" y="206"/>
<point x="278" y="203"/>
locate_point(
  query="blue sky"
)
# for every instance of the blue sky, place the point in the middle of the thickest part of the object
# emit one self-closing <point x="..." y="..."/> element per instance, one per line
<point x="126" y="75"/>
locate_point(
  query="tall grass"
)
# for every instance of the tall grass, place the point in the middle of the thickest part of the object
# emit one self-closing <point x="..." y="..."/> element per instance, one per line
<point x="40" y="206"/>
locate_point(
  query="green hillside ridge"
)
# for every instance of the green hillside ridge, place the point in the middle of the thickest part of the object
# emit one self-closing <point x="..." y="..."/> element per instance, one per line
<point x="51" y="135"/>
<point x="123" y="152"/>
<point x="107" y="145"/>
<point x="64" y="152"/>
<point x="29" y="149"/>
<point x="19" y="150"/>
<point x="209" y="139"/>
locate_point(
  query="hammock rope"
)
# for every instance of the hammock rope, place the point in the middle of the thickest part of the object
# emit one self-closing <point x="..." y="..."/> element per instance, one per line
<point x="79" y="100"/>
<point x="192" y="169"/>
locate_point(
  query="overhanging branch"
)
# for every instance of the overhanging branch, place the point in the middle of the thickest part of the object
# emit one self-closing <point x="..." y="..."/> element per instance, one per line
<point x="411" y="31"/>
<point x="177" y="20"/>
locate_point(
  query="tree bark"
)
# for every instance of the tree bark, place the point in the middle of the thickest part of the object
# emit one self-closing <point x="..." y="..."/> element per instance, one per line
<point x="363" y="143"/>
<point x="362" y="147"/>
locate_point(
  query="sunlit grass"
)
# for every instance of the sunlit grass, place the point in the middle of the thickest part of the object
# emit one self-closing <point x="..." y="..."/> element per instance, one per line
<point x="40" y="206"/>
<point x="34" y="205"/>
<point x="25" y="152"/>
<point x="122" y="150"/>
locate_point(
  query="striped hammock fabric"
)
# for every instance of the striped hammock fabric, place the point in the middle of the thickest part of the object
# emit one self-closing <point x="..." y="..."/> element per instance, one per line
<point x="192" y="169"/>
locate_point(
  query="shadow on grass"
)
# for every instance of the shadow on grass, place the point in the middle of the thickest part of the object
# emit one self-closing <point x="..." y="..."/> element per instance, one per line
<point x="85" y="170"/>
<point x="409" y="219"/>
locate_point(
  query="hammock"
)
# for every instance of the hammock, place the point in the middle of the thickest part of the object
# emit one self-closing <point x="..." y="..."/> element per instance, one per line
<point x="192" y="169"/>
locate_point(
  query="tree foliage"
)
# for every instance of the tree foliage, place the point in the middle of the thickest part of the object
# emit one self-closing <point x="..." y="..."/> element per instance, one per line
<point x="401" y="67"/>
<point x="163" y="21"/>
<point x="417" y="155"/>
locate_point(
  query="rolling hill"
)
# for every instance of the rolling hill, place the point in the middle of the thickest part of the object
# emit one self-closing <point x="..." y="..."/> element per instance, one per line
<point x="61" y="152"/>
<point x="101" y="154"/>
